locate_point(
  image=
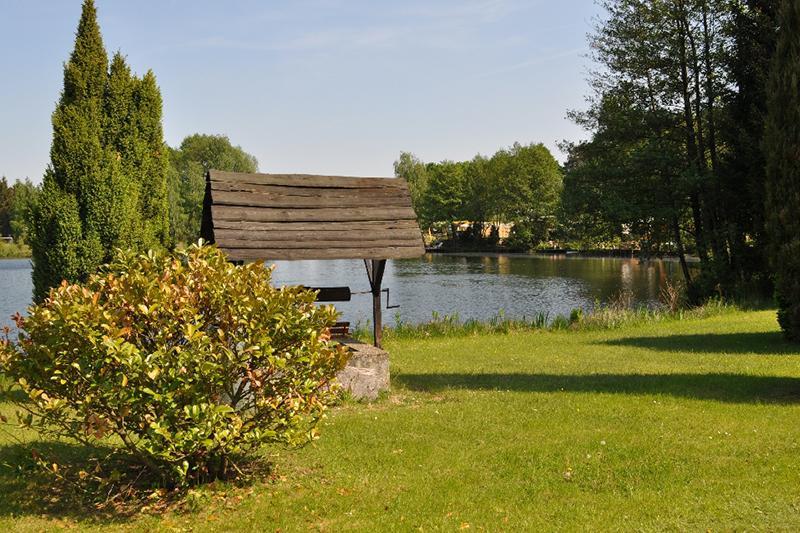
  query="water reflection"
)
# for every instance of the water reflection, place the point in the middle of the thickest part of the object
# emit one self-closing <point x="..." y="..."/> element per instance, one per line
<point x="480" y="286"/>
<point x="472" y="286"/>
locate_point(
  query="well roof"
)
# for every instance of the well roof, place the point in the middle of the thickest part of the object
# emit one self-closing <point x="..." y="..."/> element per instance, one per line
<point x="299" y="216"/>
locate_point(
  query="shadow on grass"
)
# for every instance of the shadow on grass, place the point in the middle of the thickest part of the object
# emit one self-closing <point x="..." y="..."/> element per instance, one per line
<point x="28" y="491"/>
<point x="10" y="392"/>
<point x="13" y="395"/>
<point x="734" y="388"/>
<point x="761" y="343"/>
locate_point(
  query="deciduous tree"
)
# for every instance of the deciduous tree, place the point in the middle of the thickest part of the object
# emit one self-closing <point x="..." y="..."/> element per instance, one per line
<point x="189" y="163"/>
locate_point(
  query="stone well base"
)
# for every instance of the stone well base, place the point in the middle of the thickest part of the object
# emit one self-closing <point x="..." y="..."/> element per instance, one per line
<point x="367" y="373"/>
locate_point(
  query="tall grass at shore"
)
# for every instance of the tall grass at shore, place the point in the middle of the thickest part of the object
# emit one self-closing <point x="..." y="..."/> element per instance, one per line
<point x="619" y="311"/>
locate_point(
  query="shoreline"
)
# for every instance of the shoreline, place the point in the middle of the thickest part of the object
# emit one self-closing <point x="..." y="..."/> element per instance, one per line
<point x="559" y="253"/>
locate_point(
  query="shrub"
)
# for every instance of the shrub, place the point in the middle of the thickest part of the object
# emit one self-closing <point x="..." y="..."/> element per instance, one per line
<point x="182" y="362"/>
<point x="673" y="296"/>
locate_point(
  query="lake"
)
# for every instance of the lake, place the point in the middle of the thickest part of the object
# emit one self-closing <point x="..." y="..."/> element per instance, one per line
<point x="471" y="286"/>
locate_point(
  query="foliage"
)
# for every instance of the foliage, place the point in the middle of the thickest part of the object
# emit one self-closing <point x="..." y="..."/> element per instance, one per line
<point x="752" y="30"/>
<point x="626" y="182"/>
<point x="23" y="200"/>
<point x="531" y="185"/>
<point x="6" y="202"/>
<point x="782" y="144"/>
<point x="526" y="235"/>
<point x="521" y="184"/>
<point x="105" y="186"/>
<point x="132" y="128"/>
<point x="673" y="162"/>
<point x="409" y="167"/>
<point x="188" y="165"/>
<point x="444" y="197"/>
<point x="16" y="200"/>
<point x="14" y="250"/>
<point x="185" y="359"/>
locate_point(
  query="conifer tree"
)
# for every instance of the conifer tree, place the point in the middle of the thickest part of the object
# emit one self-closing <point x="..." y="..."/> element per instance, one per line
<point x="153" y="161"/>
<point x="119" y="135"/>
<point x="782" y="147"/>
<point x="106" y="183"/>
<point x="74" y="184"/>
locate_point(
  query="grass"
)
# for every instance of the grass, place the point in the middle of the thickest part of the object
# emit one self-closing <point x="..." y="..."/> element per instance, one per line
<point x="609" y="316"/>
<point x="672" y="425"/>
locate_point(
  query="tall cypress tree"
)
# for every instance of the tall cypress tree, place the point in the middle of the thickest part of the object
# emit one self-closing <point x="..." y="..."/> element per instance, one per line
<point x="133" y="130"/>
<point x="63" y="246"/>
<point x="119" y="134"/>
<point x="782" y="148"/>
<point x="94" y="194"/>
<point x="152" y="161"/>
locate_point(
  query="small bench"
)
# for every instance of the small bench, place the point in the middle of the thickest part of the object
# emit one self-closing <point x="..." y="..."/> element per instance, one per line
<point x="340" y="330"/>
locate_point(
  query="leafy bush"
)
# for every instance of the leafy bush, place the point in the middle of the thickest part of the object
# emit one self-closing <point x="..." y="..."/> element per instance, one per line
<point x="182" y="362"/>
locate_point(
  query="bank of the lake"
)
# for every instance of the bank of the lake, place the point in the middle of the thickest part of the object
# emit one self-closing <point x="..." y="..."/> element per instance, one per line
<point x="677" y="425"/>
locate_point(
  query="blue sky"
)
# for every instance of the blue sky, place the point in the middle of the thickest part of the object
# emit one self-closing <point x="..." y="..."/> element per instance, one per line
<point x="316" y="86"/>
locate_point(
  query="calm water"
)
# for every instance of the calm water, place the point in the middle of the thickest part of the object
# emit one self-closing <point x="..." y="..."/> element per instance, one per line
<point x="472" y="286"/>
<point x="16" y="288"/>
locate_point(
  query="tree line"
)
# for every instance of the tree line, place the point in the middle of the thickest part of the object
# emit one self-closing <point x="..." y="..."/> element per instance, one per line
<point x="694" y="141"/>
<point x="692" y="150"/>
<point x="15" y="201"/>
<point x="112" y="181"/>
<point x="520" y="185"/>
<point x="676" y="149"/>
<point x="188" y="163"/>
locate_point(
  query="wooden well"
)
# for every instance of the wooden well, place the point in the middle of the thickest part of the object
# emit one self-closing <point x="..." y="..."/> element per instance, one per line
<point x="274" y="217"/>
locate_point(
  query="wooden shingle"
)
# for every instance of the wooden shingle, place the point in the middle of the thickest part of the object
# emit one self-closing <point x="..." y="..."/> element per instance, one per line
<point x="298" y="216"/>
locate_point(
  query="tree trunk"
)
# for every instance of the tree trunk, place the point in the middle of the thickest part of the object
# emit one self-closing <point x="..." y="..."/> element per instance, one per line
<point x="676" y="229"/>
<point x="691" y="142"/>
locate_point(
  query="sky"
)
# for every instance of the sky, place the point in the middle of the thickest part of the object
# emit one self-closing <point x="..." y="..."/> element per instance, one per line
<point x="316" y="86"/>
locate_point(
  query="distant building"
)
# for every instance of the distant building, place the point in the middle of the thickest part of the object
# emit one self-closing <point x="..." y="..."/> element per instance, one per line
<point x="503" y="228"/>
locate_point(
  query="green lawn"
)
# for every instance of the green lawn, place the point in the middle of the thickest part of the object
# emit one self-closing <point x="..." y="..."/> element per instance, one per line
<point x="677" y="425"/>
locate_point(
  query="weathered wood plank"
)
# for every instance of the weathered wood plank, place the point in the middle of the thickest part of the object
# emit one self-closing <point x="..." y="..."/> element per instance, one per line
<point x="262" y="214"/>
<point x="258" y="199"/>
<point x="307" y="180"/>
<point x="277" y="254"/>
<point x="310" y="191"/>
<point x="320" y="244"/>
<point x="332" y="294"/>
<point x="403" y="234"/>
<point x="291" y="216"/>
<point x="359" y="226"/>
